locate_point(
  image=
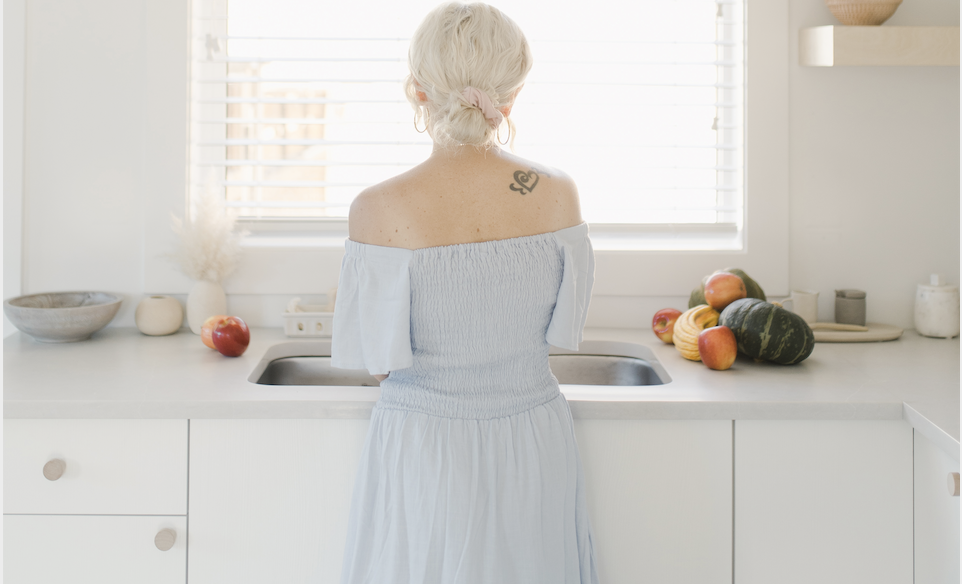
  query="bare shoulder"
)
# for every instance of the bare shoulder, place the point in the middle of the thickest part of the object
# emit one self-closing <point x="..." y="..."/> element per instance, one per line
<point x="551" y="185"/>
<point x="378" y="210"/>
<point x="365" y="221"/>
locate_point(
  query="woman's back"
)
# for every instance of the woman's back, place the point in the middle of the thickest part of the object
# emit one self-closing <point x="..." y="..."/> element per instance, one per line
<point x="466" y="197"/>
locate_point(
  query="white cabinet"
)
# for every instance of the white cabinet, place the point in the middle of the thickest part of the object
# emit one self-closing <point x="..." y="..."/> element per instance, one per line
<point x="936" y="515"/>
<point x="105" y="549"/>
<point x="700" y="501"/>
<point x="269" y="499"/>
<point x="95" y="518"/>
<point x="659" y="499"/>
<point x="823" y="501"/>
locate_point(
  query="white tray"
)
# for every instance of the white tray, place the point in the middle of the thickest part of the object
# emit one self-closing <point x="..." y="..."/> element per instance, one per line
<point x="875" y="332"/>
<point x="315" y="323"/>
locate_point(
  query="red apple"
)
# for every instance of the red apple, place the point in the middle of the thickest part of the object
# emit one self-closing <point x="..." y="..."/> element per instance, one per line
<point x="208" y="327"/>
<point x="663" y="324"/>
<point x="717" y="347"/>
<point x="722" y="289"/>
<point x="231" y="336"/>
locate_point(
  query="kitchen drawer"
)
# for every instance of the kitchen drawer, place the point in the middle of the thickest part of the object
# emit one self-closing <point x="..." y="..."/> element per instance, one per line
<point x="936" y="515"/>
<point x="89" y="548"/>
<point x="123" y="467"/>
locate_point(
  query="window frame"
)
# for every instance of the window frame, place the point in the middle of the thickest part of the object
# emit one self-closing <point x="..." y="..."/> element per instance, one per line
<point x="303" y="256"/>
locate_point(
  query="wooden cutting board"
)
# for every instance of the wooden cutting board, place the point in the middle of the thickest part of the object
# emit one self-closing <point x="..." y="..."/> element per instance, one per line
<point x="875" y="332"/>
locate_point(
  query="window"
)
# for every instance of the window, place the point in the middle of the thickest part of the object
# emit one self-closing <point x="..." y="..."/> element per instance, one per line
<point x="296" y="106"/>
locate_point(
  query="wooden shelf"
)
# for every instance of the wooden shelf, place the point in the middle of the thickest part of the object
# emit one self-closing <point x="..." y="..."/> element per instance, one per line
<point x="837" y="46"/>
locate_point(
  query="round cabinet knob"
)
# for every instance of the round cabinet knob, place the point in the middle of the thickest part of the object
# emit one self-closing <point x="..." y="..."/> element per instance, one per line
<point x="54" y="468"/>
<point x="954" y="484"/>
<point x="165" y="538"/>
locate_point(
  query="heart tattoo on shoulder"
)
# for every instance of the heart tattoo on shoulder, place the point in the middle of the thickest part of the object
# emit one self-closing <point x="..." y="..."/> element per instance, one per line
<point x="526" y="181"/>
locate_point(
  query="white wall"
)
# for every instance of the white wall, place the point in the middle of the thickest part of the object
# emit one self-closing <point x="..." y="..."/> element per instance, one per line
<point x="13" y="41"/>
<point x="874" y="162"/>
<point x="84" y="131"/>
<point x="874" y="197"/>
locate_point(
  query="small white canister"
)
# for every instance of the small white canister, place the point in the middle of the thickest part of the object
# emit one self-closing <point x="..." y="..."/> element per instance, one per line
<point x="159" y="315"/>
<point x="937" y="309"/>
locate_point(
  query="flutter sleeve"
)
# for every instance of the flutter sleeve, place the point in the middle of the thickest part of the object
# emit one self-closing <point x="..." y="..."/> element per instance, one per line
<point x="372" y="312"/>
<point x="568" y="319"/>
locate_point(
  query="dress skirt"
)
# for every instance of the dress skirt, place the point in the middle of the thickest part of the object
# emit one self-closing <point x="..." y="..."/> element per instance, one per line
<point x="448" y="500"/>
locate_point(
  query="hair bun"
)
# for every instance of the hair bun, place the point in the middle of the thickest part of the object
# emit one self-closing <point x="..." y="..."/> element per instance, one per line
<point x="480" y="100"/>
<point x="465" y="59"/>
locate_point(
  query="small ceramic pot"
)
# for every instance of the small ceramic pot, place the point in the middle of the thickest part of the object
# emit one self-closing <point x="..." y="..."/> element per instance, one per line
<point x="850" y="307"/>
<point x="206" y="299"/>
<point x="159" y="315"/>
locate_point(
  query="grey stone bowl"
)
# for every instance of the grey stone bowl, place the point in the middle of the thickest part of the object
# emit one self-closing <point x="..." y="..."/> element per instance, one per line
<point x="62" y="317"/>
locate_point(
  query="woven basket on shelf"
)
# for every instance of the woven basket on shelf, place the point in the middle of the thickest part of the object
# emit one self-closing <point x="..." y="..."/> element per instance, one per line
<point x="862" y="12"/>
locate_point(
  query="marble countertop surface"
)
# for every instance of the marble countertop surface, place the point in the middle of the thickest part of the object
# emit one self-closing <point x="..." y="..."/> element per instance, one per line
<point x="121" y="373"/>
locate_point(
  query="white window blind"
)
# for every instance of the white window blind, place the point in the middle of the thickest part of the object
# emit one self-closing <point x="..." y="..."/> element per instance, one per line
<point x="296" y="106"/>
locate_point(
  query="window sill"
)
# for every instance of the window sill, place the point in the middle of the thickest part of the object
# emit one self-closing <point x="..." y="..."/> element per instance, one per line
<point x="645" y="262"/>
<point x="666" y="238"/>
<point x="331" y="240"/>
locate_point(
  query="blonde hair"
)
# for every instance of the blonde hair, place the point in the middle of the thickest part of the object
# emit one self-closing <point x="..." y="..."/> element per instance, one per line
<point x="458" y="46"/>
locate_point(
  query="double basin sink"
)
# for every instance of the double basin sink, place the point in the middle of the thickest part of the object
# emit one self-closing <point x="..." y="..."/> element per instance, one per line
<point x="596" y="363"/>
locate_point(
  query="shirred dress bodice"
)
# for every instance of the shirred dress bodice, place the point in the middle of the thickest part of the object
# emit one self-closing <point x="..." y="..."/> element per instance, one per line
<point x="464" y="329"/>
<point x="479" y="317"/>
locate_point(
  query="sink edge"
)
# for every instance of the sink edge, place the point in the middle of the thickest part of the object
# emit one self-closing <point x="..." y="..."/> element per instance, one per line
<point x="322" y="348"/>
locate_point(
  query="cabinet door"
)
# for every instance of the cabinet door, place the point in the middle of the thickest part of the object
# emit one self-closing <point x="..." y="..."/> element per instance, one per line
<point x="106" y="549"/>
<point x="269" y="499"/>
<point x="659" y="498"/>
<point x="113" y="467"/>
<point x="823" y="501"/>
<point x="936" y="515"/>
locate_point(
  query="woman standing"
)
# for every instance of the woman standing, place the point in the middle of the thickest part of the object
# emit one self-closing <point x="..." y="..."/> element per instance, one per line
<point x="457" y="277"/>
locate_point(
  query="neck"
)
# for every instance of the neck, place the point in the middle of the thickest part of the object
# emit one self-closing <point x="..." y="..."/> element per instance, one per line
<point x="464" y="152"/>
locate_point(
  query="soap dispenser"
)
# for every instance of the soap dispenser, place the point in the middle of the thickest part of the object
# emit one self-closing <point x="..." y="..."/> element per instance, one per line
<point x="937" y="308"/>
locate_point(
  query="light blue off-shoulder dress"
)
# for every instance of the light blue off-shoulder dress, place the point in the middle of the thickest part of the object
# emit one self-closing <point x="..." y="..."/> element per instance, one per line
<point x="470" y="473"/>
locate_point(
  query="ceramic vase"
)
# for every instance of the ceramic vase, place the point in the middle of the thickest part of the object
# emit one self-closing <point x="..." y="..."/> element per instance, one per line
<point x="206" y="299"/>
<point x="159" y="315"/>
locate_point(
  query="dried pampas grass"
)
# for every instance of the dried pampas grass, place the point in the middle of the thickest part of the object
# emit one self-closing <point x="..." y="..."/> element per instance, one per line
<point x="208" y="249"/>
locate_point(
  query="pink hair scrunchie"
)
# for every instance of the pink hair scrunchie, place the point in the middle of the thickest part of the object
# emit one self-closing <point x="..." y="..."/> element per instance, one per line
<point x="480" y="100"/>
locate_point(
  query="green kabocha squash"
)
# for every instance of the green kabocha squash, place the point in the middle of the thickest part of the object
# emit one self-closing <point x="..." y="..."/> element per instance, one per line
<point x="752" y="289"/>
<point x="766" y="331"/>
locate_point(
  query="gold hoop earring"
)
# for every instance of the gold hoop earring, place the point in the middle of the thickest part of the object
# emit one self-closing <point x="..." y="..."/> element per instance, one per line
<point x="506" y="139"/>
<point x="416" y="124"/>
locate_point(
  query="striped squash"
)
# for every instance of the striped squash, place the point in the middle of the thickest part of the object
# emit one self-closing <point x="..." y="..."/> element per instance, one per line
<point x="769" y="332"/>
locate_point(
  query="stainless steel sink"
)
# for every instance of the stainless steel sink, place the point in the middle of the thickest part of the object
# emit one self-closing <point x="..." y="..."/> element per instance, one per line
<point x="602" y="370"/>
<point x="597" y="363"/>
<point x="312" y="370"/>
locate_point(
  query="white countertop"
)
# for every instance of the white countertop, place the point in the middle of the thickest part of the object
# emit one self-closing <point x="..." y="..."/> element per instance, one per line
<point x="121" y="373"/>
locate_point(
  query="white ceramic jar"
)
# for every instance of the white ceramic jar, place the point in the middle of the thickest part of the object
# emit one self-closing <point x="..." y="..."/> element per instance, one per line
<point x="937" y="309"/>
<point x="159" y="315"/>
